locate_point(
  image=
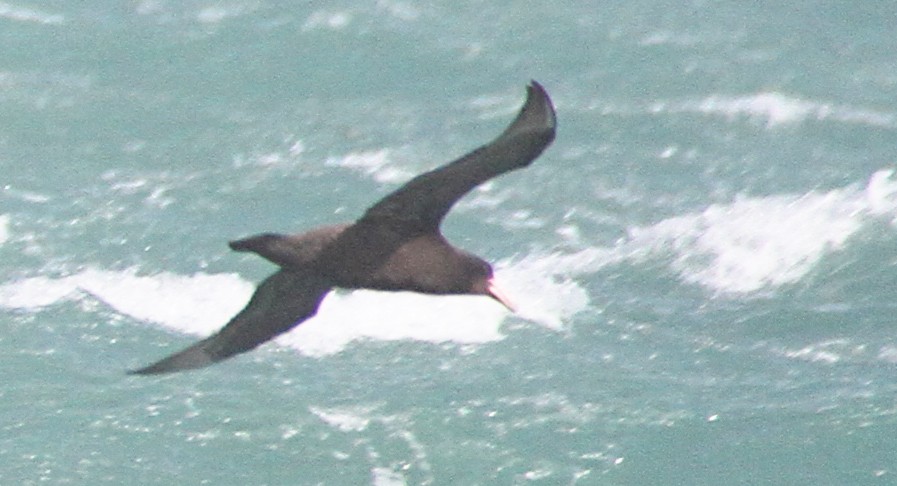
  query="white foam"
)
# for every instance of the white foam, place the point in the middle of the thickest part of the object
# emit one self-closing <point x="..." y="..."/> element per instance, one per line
<point x="400" y="10"/>
<point x="542" y="289"/>
<point x="761" y="243"/>
<point x="776" y="108"/>
<point x="779" y="109"/>
<point x="375" y="163"/>
<point x="881" y="194"/>
<point x="545" y="298"/>
<point x="347" y="317"/>
<point x="346" y="419"/>
<point x="328" y="20"/>
<point x="666" y="37"/>
<point x="24" y="14"/>
<point x="746" y="246"/>
<point x="28" y="196"/>
<point x="817" y="353"/>
<point x="833" y="351"/>
<point x="4" y="228"/>
<point x="387" y="316"/>
<point x="196" y="304"/>
<point x="496" y="106"/>
<point x="214" y="15"/>
<point x="888" y="354"/>
<point x="384" y="476"/>
<point x="752" y="243"/>
<point x="357" y="419"/>
<point x="36" y="292"/>
<point x="200" y="304"/>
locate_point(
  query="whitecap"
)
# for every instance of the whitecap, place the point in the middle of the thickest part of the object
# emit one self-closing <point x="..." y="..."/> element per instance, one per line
<point x="23" y="14"/>
<point x="27" y="196"/>
<point x="327" y="19"/>
<point x="215" y="14"/>
<point x="384" y="476"/>
<point x="881" y="194"/>
<point x="739" y="248"/>
<point x="760" y="243"/>
<point x="401" y="10"/>
<point x="346" y="419"/>
<point x="542" y="289"/>
<point x="749" y="245"/>
<point x="196" y="304"/>
<point x="778" y="109"/>
<point x="32" y="294"/>
<point x="360" y="315"/>
<point x="374" y="163"/>
<point x="888" y="354"/>
<point x="814" y="353"/>
<point x="200" y="304"/>
<point x="546" y="299"/>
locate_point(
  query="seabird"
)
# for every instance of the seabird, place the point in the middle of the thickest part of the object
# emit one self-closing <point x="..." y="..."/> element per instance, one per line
<point x="396" y="245"/>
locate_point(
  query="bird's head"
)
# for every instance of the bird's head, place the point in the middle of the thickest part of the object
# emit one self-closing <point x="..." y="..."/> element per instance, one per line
<point x="482" y="282"/>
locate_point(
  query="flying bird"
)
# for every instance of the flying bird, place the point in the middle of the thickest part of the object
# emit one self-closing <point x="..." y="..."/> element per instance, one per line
<point x="395" y="245"/>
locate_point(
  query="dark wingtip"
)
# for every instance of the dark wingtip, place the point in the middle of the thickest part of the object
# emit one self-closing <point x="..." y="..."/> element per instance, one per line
<point x="270" y="246"/>
<point x="163" y="367"/>
<point x="536" y="86"/>
<point x="148" y="370"/>
<point x="143" y="371"/>
<point x="254" y="243"/>
<point x="537" y="114"/>
<point x="195" y="356"/>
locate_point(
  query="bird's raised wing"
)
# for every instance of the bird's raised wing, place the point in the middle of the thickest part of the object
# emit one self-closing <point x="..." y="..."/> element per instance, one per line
<point x="281" y="302"/>
<point x="425" y="200"/>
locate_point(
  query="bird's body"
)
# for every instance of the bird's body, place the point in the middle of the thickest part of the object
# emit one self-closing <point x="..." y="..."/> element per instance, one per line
<point x="396" y="245"/>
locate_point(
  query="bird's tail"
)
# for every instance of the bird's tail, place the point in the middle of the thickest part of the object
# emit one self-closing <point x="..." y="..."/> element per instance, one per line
<point x="271" y="246"/>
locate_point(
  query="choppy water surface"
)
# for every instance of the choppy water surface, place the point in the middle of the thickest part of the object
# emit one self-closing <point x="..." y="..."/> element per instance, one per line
<point x="704" y="260"/>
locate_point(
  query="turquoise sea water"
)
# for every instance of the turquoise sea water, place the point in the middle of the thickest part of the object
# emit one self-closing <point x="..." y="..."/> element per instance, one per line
<point x="705" y="261"/>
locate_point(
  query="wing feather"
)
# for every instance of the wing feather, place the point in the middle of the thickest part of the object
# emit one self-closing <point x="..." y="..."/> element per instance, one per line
<point x="283" y="301"/>
<point x="425" y="200"/>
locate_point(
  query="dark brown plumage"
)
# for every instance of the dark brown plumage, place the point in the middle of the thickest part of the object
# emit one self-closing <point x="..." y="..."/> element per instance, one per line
<point x="395" y="245"/>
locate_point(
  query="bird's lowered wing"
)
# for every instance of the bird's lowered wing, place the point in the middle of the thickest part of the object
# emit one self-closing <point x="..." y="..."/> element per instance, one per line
<point x="281" y="302"/>
<point x="426" y="199"/>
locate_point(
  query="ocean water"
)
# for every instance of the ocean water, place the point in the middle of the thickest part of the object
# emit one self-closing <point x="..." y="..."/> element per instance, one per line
<point x="705" y="260"/>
